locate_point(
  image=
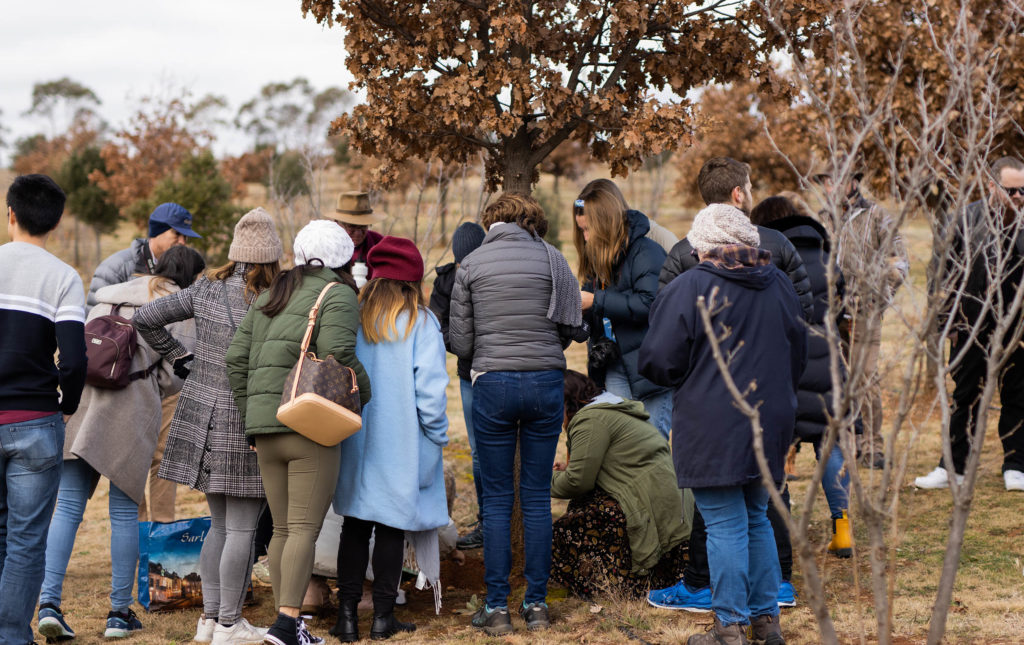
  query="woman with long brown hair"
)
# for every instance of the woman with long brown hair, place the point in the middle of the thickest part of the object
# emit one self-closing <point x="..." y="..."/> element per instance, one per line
<point x="619" y="267"/>
<point x="298" y="474"/>
<point x="206" y="447"/>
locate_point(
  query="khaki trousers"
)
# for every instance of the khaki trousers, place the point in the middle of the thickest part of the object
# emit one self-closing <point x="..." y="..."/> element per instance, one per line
<point x="161" y="492"/>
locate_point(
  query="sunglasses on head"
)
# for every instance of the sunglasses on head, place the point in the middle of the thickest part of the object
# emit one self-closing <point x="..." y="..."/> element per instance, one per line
<point x="577" y="207"/>
<point x="1019" y="190"/>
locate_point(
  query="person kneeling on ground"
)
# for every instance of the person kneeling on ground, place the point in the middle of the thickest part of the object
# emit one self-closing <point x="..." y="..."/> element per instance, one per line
<point x="758" y="324"/>
<point x="624" y="528"/>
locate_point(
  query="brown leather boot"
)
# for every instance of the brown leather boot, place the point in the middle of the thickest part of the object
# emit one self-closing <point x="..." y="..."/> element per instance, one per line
<point x="719" y="634"/>
<point x="765" y="630"/>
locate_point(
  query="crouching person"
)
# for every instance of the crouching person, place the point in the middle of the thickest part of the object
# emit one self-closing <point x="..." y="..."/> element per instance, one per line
<point x="624" y="530"/>
<point x="758" y="322"/>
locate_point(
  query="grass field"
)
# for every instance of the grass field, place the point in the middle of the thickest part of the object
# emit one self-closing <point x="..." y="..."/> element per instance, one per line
<point x="988" y="600"/>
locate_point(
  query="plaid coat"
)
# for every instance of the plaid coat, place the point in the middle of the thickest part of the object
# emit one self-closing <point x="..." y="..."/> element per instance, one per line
<point x="206" y="448"/>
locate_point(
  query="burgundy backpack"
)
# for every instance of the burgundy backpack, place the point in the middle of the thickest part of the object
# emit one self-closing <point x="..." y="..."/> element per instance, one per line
<point x="110" y="345"/>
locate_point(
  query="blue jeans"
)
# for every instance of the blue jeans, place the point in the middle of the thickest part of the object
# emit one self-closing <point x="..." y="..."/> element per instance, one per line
<point x="835" y="481"/>
<point x="466" y="389"/>
<point x="76" y="485"/>
<point x="658" y="405"/>
<point x="744" y="564"/>
<point x="507" y="405"/>
<point x="30" y="466"/>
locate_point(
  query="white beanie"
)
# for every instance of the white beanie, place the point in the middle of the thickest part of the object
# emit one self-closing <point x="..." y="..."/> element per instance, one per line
<point x="720" y="225"/>
<point x="324" y="240"/>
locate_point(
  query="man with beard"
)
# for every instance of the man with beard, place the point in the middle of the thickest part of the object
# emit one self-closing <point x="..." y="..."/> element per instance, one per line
<point x="989" y="243"/>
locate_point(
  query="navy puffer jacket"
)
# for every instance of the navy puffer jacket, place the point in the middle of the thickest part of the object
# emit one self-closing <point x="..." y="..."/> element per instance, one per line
<point x="627" y="303"/>
<point x="814" y="393"/>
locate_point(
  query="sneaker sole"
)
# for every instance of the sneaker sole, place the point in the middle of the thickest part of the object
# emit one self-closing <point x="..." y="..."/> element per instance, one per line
<point x="273" y="639"/>
<point x="498" y="631"/>
<point x="116" y="633"/>
<point x="53" y="630"/>
<point x="536" y="627"/>
<point x="693" y="610"/>
<point x="787" y="603"/>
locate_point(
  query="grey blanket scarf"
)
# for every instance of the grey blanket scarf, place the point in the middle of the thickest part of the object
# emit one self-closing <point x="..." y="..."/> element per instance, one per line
<point x="565" y="306"/>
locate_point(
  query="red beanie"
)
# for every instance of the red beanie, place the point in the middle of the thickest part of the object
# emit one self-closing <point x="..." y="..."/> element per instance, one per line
<point x="396" y="258"/>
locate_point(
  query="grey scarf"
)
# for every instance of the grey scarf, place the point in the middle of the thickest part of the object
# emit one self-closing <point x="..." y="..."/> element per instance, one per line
<point x="565" y="306"/>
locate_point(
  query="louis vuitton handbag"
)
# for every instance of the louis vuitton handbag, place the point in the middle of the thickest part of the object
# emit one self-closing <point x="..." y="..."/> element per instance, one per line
<point x="321" y="397"/>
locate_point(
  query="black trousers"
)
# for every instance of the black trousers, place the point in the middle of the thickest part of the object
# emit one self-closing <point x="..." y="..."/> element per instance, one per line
<point x="354" y="554"/>
<point x="969" y="379"/>
<point x="697" y="573"/>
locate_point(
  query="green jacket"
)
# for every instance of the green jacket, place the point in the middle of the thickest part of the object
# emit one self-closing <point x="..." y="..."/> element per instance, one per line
<point x="265" y="349"/>
<point x="613" y="447"/>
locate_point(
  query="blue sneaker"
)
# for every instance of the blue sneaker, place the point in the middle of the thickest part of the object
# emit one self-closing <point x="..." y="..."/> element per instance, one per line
<point x="121" y="623"/>
<point x="787" y="594"/>
<point x="52" y="624"/>
<point x="681" y="596"/>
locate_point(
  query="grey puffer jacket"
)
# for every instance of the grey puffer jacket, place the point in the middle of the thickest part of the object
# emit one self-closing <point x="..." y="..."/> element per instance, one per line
<point x="499" y="305"/>
<point x="119" y="268"/>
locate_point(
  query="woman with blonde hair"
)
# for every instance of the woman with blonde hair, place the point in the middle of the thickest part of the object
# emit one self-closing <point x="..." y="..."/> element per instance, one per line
<point x="299" y="474"/>
<point x="206" y="447"/>
<point x="619" y="267"/>
<point x="391" y="479"/>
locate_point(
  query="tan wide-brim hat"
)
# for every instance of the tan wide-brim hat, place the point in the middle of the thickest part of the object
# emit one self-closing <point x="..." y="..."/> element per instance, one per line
<point x="354" y="208"/>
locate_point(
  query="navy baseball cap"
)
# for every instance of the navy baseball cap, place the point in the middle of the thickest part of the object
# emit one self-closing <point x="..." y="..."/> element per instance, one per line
<point x="170" y="215"/>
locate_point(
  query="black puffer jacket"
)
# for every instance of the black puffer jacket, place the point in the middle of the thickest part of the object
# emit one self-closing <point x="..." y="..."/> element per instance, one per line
<point x="784" y="256"/>
<point x="814" y="393"/>
<point x="441" y="304"/>
<point x="627" y="303"/>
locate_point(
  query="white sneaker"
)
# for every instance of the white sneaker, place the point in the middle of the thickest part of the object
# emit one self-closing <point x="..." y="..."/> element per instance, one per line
<point x="938" y="478"/>
<point x="241" y="633"/>
<point x="1014" y="480"/>
<point x="204" y="630"/>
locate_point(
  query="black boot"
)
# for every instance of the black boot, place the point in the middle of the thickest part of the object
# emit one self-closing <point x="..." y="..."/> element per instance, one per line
<point x="347" y="627"/>
<point x="386" y="626"/>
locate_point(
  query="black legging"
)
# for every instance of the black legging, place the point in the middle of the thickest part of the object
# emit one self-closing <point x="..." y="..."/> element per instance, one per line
<point x="698" y="575"/>
<point x="354" y="554"/>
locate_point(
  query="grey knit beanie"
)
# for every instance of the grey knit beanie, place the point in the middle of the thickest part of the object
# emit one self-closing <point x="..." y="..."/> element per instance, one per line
<point x="255" y="240"/>
<point x="719" y="225"/>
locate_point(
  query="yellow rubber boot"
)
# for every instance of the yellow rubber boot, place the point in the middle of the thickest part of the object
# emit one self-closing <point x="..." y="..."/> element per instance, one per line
<point x="842" y="539"/>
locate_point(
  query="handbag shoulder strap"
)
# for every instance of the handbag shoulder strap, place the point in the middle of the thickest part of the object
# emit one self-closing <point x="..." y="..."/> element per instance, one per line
<point x="312" y="317"/>
<point x="227" y="303"/>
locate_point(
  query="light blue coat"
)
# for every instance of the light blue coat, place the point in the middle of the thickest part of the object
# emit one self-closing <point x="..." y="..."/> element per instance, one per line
<point x="391" y="470"/>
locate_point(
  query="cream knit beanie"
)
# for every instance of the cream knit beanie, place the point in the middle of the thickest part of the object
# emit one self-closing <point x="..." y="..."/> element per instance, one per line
<point x="255" y="240"/>
<point x="719" y="225"/>
<point x="324" y="240"/>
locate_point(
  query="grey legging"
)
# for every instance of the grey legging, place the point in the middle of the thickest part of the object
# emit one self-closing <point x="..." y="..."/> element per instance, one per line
<point x="226" y="560"/>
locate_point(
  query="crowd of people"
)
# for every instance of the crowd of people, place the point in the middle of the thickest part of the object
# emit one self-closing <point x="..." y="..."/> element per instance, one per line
<point x="667" y="499"/>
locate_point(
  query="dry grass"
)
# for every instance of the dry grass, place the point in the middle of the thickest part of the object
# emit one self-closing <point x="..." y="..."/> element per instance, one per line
<point x="989" y="593"/>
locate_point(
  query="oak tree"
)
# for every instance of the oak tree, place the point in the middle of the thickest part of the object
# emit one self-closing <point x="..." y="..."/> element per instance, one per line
<point x="516" y="78"/>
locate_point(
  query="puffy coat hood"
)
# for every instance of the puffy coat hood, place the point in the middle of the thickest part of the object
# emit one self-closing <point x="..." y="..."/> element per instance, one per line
<point x="803" y="231"/>
<point x="608" y="401"/>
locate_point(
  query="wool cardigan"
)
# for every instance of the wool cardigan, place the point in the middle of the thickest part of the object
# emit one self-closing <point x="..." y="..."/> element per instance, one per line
<point x="206" y="447"/>
<point x="116" y="431"/>
<point x="265" y="349"/>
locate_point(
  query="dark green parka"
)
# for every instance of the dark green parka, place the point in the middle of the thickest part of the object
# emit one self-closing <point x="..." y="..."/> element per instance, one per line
<point x="265" y="349"/>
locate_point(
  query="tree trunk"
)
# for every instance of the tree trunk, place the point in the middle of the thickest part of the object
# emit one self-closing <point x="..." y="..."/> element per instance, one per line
<point x="519" y="166"/>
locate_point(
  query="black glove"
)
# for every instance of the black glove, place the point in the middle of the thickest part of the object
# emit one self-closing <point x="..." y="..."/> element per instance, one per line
<point x="180" y="366"/>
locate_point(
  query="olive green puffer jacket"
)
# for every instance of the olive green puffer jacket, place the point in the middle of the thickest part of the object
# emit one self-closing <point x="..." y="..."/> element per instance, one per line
<point x="265" y="349"/>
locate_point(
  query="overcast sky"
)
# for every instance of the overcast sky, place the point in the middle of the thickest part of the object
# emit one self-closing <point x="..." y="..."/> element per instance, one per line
<point x="125" y="49"/>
